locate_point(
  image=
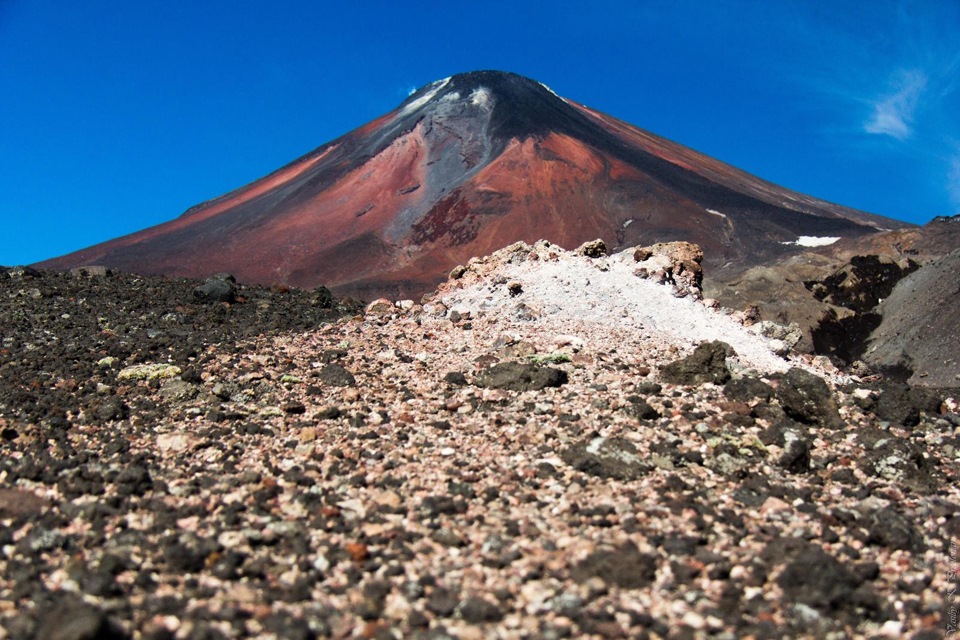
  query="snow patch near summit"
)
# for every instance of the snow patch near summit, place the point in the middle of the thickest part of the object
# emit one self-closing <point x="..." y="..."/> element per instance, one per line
<point x="481" y="97"/>
<point x="549" y="89"/>
<point x="435" y="88"/>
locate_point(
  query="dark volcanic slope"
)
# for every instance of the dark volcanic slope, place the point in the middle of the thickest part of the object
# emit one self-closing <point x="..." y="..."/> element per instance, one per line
<point x="919" y="327"/>
<point x="465" y="166"/>
<point x="73" y="327"/>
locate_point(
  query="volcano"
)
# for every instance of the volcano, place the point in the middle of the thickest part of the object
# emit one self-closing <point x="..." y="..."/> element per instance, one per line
<point x="465" y="166"/>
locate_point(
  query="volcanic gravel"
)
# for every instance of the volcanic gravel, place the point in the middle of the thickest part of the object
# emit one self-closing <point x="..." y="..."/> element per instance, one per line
<point x="499" y="460"/>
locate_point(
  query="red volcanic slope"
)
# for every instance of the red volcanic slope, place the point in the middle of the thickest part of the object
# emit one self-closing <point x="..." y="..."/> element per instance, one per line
<point x="465" y="166"/>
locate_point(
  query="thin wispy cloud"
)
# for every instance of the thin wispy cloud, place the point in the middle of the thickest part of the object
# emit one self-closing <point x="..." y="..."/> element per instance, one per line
<point x="893" y="114"/>
<point x="953" y="182"/>
<point x="889" y="95"/>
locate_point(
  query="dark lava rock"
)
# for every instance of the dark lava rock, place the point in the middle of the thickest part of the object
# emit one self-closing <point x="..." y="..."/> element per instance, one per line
<point x="519" y="376"/>
<point x="476" y="610"/>
<point x="807" y="398"/>
<point x="903" y="463"/>
<point x="443" y="602"/>
<point x="41" y="540"/>
<point x="818" y="580"/>
<point x="336" y="376"/>
<point x="25" y="272"/>
<point x="332" y="355"/>
<point x="433" y="506"/>
<point x="219" y="288"/>
<point x="796" y="454"/>
<point x="134" y="480"/>
<point x="707" y="363"/>
<point x="112" y="409"/>
<point x="72" y="619"/>
<point x="328" y="413"/>
<point x="746" y="389"/>
<point x="649" y="388"/>
<point x="290" y="627"/>
<point x="294" y="408"/>
<point x="861" y="287"/>
<point x="615" y="458"/>
<point x="374" y="599"/>
<point x="323" y="298"/>
<point x="888" y="527"/>
<point x="624" y="566"/>
<point x="641" y="409"/>
<point x="101" y="584"/>
<point x="753" y="491"/>
<point x="455" y="378"/>
<point x="191" y="375"/>
<point x="190" y="554"/>
<point x="901" y="404"/>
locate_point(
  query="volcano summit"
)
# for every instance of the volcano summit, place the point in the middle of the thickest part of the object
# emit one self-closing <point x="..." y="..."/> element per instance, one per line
<point x="465" y="166"/>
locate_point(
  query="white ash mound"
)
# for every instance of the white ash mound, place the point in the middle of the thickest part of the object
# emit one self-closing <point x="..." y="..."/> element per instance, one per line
<point x="644" y="299"/>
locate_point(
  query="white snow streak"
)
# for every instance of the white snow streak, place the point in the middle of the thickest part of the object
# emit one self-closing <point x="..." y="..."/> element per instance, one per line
<point x="813" y="241"/>
<point x="425" y="98"/>
<point x="549" y="89"/>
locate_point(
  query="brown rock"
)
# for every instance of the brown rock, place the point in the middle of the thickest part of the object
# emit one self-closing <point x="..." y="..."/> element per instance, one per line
<point x="380" y="307"/>
<point x="593" y="249"/>
<point x="17" y="503"/>
<point x="677" y="263"/>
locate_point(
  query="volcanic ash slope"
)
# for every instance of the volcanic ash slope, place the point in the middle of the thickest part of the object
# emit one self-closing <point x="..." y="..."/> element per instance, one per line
<point x="645" y="301"/>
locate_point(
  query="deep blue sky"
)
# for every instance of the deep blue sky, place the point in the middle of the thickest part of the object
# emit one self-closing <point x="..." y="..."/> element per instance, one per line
<point x="117" y="115"/>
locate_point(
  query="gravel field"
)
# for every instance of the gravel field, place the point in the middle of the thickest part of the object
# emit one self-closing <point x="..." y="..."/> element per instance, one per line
<point x="552" y="445"/>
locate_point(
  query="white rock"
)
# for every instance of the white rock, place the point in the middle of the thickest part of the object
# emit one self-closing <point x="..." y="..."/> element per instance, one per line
<point x="892" y="629"/>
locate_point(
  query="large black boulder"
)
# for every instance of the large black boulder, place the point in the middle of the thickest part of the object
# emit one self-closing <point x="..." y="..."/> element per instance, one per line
<point x="520" y="376"/>
<point x="806" y="398"/>
<point x="707" y="363"/>
<point x="219" y="288"/>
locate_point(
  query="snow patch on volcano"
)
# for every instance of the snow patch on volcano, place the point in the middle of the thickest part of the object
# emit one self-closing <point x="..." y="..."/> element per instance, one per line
<point x="814" y="241"/>
<point x="481" y="97"/>
<point x="550" y="90"/>
<point x="436" y="87"/>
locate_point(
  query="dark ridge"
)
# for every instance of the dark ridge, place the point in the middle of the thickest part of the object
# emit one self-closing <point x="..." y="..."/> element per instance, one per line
<point x="524" y="107"/>
<point x="945" y="219"/>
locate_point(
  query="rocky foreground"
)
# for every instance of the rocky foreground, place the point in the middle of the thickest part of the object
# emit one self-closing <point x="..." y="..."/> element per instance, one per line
<point x="552" y="445"/>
